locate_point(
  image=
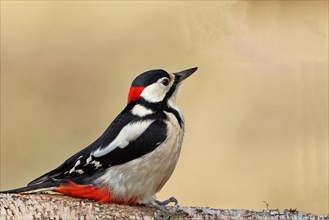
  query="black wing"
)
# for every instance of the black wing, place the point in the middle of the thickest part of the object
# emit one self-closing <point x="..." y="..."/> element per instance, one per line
<point x="87" y="163"/>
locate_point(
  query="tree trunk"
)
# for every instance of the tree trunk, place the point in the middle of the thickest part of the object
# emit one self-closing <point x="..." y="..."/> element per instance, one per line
<point x="43" y="206"/>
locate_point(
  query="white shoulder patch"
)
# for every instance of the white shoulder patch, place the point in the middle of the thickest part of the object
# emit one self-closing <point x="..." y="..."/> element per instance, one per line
<point x="141" y="111"/>
<point x="128" y="133"/>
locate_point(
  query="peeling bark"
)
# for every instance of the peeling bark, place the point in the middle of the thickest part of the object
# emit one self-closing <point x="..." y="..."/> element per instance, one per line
<point x="43" y="206"/>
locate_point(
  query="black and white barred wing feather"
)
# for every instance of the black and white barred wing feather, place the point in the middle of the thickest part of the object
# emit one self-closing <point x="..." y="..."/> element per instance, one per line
<point x="127" y="138"/>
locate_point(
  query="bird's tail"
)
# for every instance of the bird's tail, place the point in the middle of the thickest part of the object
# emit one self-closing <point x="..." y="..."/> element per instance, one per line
<point x="41" y="187"/>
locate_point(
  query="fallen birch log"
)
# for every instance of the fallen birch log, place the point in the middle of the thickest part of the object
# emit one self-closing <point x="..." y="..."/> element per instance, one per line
<point x="43" y="206"/>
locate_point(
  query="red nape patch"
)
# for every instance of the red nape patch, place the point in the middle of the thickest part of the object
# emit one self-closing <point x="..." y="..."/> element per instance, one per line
<point x="134" y="93"/>
<point x="70" y="188"/>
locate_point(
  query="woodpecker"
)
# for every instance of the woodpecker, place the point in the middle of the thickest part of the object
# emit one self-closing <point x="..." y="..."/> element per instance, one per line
<point x="135" y="156"/>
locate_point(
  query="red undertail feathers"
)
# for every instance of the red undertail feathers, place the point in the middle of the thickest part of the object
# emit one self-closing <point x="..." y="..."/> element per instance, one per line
<point x="101" y="195"/>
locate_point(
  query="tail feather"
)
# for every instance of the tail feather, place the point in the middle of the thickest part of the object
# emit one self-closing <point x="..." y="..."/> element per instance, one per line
<point x="46" y="186"/>
<point x="99" y="194"/>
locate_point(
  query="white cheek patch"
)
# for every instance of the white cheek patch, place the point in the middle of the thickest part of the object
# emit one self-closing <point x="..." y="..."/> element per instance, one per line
<point x="155" y="92"/>
<point x="141" y="111"/>
<point x="128" y="134"/>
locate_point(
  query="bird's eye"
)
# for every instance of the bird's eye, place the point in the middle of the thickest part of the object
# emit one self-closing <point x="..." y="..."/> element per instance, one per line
<point x="165" y="82"/>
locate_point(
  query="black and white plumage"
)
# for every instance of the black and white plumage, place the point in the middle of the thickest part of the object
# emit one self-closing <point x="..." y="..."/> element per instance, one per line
<point x="135" y="156"/>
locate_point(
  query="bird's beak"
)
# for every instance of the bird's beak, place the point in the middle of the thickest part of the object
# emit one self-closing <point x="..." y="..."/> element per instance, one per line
<point x="180" y="76"/>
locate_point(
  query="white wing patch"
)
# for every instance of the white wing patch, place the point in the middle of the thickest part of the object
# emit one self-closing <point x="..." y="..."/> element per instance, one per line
<point x="129" y="133"/>
<point x="79" y="171"/>
<point x="97" y="164"/>
<point x="89" y="159"/>
<point x="141" y="111"/>
<point x="75" y="165"/>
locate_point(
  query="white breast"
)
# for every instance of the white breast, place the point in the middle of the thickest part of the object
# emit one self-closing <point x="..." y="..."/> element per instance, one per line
<point x="143" y="177"/>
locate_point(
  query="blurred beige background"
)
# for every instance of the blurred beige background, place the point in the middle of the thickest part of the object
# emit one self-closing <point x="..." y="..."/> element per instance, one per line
<point x="256" y="111"/>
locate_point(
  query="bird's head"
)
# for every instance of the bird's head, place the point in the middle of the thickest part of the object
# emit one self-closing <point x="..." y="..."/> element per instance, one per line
<point x="156" y="86"/>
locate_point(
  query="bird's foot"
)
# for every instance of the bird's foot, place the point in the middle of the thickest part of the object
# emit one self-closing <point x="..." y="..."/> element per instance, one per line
<point x="167" y="201"/>
<point x="164" y="213"/>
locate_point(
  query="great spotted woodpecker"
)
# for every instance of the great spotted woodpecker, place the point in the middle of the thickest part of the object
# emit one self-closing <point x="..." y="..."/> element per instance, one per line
<point x="135" y="156"/>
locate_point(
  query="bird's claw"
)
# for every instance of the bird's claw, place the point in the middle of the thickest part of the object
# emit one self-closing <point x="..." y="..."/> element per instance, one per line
<point x="164" y="213"/>
<point x="167" y="201"/>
